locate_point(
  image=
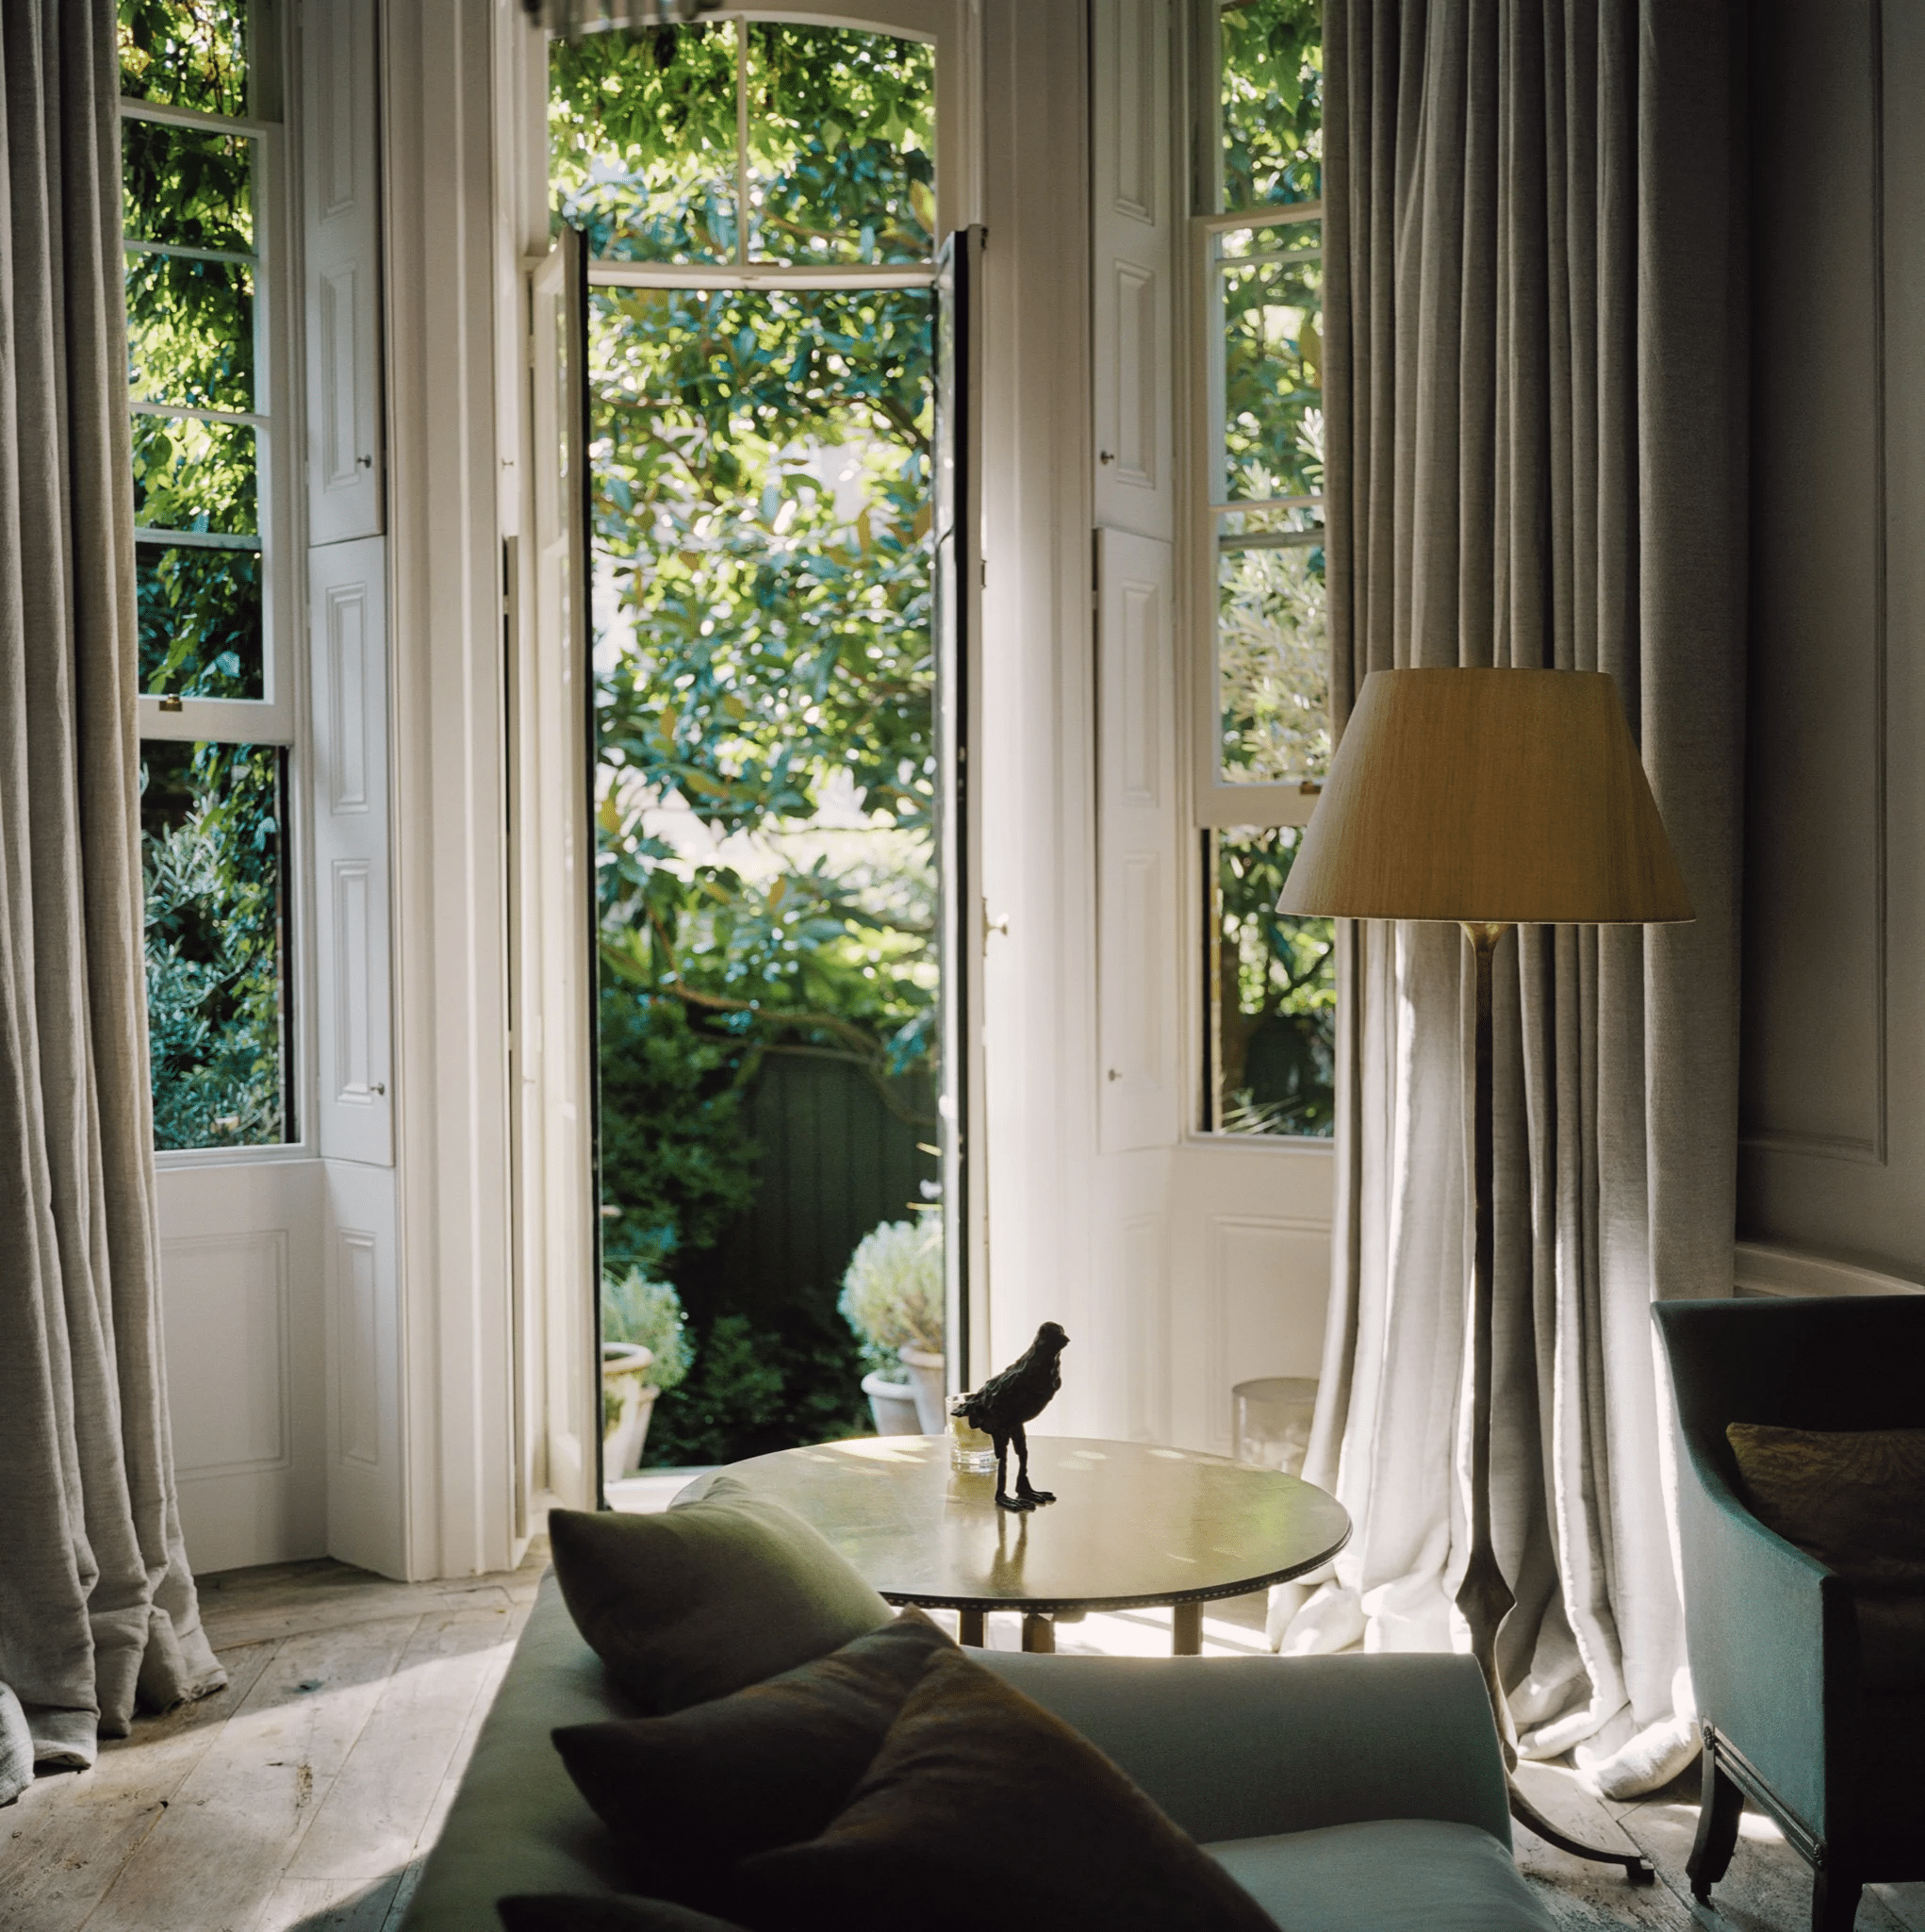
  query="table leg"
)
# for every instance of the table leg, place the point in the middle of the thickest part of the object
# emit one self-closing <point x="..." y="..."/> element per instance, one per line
<point x="1186" y="1630"/>
<point x="969" y="1628"/>
<point x="1039" y="1633"/>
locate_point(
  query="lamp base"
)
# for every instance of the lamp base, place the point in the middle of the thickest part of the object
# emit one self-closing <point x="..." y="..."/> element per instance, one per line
<point x="1638" y="1869"/>
<point x="1483" y="1596"/>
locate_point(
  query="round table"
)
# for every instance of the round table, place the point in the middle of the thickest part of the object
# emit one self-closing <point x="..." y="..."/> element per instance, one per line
<point x="1133" y="1525"/>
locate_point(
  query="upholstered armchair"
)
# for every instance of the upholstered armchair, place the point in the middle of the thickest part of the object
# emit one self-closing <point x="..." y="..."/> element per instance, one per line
<point x="1810" y="1684"/>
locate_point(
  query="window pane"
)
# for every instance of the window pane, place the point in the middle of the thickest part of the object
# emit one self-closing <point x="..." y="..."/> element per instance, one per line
<point x="642" y="141"/>
<point x="193" y="475"/>
<point x="187" y="187"/>
<point x="185" y="53"/>
<point x="1273" y="400"/>
<point x="1273" y="993"/>
<point x="200" y="621"/>
<point x="212" y="840"/>
<point x="191" y="331"/>
<point x="1273" y="102"/>
<point x="1272" y="658"/>
<point x="841" y="145"/>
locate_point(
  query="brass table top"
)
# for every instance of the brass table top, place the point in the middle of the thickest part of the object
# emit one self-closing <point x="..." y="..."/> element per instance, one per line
<point x="1132" y="1523"/>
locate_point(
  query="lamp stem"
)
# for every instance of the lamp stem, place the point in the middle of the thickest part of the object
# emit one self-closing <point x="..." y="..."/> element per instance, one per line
<point x="1484" y="1597"/>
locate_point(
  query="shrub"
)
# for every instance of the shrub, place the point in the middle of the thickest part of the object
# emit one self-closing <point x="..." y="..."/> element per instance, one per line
<point x="892" y="1290"/>
<point x="649" y="1315"/>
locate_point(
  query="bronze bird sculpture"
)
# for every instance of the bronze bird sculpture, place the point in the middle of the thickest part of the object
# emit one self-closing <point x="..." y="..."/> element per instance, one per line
<point x="1005" y="1402"/>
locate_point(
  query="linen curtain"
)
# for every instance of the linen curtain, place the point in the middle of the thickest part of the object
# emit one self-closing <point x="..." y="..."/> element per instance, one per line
<point x="1536" y="384"/>
<point x="98" y="1606"/>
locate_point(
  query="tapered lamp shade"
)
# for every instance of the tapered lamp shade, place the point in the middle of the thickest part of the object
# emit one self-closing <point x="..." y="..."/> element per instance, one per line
<point x="1494" y="797"/>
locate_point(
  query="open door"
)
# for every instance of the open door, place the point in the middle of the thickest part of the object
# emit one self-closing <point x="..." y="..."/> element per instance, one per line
<point x="551" y="727"/>
<point x="958" y="596"/>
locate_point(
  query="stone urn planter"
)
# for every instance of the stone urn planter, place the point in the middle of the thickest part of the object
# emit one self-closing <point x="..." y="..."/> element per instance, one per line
<point x="926" y="1377"/>
<point x="893" y="1405"/>
<point x="627" y="1400"/>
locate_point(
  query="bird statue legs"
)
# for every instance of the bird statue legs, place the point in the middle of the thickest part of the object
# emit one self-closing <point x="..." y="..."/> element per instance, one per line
<point x="1026" y="1496"/>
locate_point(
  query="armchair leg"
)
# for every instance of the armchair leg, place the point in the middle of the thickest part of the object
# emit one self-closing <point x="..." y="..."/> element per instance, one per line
<point x="1719" y="1803"/>
<point x="1833" y="1900"/>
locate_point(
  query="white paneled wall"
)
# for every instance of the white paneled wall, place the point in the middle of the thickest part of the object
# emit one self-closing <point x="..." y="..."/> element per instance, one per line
<point x="242" y="1304"/>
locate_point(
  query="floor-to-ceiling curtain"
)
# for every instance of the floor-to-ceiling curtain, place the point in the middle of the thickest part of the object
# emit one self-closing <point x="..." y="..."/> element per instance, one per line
<point x="98" y="1606"/>
<point x="1536" y="382"/>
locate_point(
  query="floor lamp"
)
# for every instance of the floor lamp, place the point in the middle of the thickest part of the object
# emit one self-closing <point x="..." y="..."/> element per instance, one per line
<point x="1491" y="798"/>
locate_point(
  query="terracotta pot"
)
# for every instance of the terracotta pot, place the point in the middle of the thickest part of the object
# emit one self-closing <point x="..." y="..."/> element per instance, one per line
<point x="926" y="1378"/>
<point x="893" y="1405"/>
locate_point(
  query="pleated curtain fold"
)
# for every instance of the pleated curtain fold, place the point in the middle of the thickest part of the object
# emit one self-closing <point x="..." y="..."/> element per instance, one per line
<point x="1536" y="380"/>
<point x="98" y="1606"/>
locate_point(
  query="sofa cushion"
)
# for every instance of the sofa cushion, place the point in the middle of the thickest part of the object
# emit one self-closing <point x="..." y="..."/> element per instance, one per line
<point x="575" y="1913"/>
<point x="1891" y="1637"/>
<point x="715" y="1592"/>
<point x="1394" y="1874"/>
<point x="982" y="1810"/>
<point x="688" y="1796"/>
<point x="1853" y="1499"/>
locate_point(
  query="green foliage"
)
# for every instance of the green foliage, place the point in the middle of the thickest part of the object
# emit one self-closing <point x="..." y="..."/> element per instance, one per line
<point x="761" y="504"/>
<point x="840" y="144"/>
<point x="675" y="1161"/>
<point x="892" y="1290"/>
<point x="1276" y="993"/>
<point x="1273" y="664"/>
<point x="642" y="141"/>
<point x="211" y="822"/>
<point x="757" y="1389"/>
<point x="1273" y="102"/>
<point x="647" y="1314"/>
<point x="761" y="483"/>
<point x="200" y="614"/>
<point x="185" y="53"/>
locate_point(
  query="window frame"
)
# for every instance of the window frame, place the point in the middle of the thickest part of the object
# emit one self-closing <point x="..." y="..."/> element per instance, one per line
<point x="279" y="716"/>
<point x="1211" y="805"/>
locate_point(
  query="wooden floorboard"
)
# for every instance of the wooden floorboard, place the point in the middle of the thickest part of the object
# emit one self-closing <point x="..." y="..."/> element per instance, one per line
<point x="304" y="1796"/>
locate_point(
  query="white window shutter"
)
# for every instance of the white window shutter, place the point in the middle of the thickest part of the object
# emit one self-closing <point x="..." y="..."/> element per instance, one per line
<point x="347" y="658"/>
<point x="1139" y="981"/>
<point x="1134" y="228"/>
<point x="342" y="281"/>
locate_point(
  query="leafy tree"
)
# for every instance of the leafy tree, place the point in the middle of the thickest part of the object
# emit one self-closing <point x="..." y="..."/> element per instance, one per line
<point x="1272" y="101"/>
<point x="761" y="480"/>
<point x="1276" y="993"/>
<point x="210" y="820"/>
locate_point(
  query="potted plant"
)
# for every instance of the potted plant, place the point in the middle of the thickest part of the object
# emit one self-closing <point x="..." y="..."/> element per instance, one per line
<point x="645" y="1350"/>
<point x="892" y="1296"/>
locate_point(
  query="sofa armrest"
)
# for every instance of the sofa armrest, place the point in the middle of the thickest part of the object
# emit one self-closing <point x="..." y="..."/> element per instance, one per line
<point x="1247" y="1747"/>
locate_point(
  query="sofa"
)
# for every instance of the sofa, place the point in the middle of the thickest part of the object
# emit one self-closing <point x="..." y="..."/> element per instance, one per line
<point x="1345" y="1793"/>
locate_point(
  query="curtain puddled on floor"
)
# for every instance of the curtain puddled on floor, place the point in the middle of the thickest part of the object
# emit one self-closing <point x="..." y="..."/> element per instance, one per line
<point x="98" y="1606"/>
<point x="1535" y="383"/>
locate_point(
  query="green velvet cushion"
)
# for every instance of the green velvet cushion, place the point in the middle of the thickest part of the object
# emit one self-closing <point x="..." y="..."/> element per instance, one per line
<point x="984" y="1813"/>
<point x="708" y="1597"/>
<point x="1854" y="1499"/>
<point x="573" y="1912"/>
<point x="688" y="1796"/>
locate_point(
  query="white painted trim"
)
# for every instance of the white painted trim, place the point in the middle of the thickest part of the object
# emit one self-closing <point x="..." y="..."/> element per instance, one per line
<point x="441" y="242"/>
<point x="1765" y="1267"/>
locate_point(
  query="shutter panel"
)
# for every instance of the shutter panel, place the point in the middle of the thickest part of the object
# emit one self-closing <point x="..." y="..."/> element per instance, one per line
<point x="1133" y="257"/>
<point x="1138" y="978"/>
<point x="340" y="150"/>
<point x="347" y="660"/>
